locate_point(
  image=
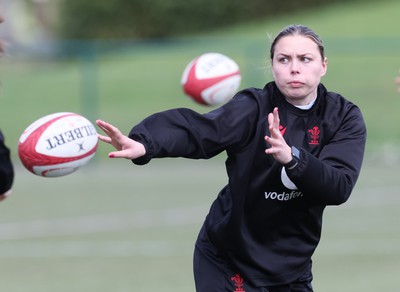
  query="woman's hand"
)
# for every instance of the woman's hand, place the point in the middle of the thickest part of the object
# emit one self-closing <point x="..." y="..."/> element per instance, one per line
<point x="278" y="147"/>
<point x="125" y="146"/>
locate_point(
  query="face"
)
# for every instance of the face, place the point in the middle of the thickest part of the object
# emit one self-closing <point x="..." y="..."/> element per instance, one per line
<point x="298" y="67"/>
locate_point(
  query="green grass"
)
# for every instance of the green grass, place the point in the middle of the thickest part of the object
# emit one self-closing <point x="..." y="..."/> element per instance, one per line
<point x="113" y="226"/>
<point x="117" y="227"/>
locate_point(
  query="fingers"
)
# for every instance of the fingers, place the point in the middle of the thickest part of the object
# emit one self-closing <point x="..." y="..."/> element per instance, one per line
<point x="270" y="121"/>
<point x="276" y="119"/>
<point x="274" y="140"/>
<point x="113" y="135"/>
<point x="274" y="123"/>
<point x="274" y="145"/>
<point x="107" y="128"/>
<point x="278" y="147"/>
<point x="127" y="153"/>
<point x="103" y="138"/>
<point x="126" y="147"/>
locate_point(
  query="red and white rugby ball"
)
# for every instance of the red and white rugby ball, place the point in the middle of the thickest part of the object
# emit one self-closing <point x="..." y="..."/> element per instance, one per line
<point x="211" y="79"/>
<point x="57" y="144"/>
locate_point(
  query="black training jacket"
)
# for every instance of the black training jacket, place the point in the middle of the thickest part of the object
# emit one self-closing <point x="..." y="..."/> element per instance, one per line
<point x="6" y="167"/>
<point x="266" y="231"/>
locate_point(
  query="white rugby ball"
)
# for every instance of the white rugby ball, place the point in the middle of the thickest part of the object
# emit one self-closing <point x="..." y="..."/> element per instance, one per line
<point x="57" y="144"/>
<point x="211" y="79"/>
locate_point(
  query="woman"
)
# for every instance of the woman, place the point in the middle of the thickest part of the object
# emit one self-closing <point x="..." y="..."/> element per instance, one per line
<point x="293" y="148"/>
<point x="6" y="167"/>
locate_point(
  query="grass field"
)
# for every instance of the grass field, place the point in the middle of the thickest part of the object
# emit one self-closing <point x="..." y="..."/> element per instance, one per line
<point x="117" y="227"/>
<point x="133" y="228"/>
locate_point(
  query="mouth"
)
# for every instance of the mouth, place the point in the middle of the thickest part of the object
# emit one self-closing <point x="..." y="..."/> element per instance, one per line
<point x="295" y="84"/>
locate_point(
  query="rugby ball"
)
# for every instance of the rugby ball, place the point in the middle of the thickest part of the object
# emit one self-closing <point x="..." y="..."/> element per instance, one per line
<point x="57" y="144"/>
<point x="211" y="79"/>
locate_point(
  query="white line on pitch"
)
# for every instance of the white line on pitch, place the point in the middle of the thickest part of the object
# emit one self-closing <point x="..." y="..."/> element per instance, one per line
<point x="102" y="223"/>
<point x="82" y="248"/>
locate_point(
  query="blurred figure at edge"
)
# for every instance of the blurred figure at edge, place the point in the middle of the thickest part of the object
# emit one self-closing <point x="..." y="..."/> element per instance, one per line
<point x="6" y="167"/>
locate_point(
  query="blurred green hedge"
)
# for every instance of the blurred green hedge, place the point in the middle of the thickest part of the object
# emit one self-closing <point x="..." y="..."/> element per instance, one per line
<point x="114" y="19"/>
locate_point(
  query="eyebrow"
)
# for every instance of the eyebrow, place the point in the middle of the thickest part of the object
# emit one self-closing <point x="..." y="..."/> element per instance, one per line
<point x="297" y="55"/>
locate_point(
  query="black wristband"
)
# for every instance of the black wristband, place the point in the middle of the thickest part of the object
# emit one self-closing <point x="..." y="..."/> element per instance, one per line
<point x="295" y="159"/>
<point x="291" y="164"/>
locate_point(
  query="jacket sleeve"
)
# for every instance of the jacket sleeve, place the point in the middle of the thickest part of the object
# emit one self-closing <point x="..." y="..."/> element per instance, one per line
<point x="185" y="133"/>
<point x="6" y="167"/>
<point x="330" y="178"/>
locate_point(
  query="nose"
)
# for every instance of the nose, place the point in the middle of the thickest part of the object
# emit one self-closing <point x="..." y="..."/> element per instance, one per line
<point x="295" y="67"/>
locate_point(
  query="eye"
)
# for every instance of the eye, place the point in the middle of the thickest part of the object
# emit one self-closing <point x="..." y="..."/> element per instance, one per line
<point x="305" y="59"/>
<point x="283" y="60"/>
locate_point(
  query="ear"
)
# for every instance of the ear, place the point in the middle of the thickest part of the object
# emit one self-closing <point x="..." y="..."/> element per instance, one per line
<point x="272" y="68"/>
<point x="324" y="66"/>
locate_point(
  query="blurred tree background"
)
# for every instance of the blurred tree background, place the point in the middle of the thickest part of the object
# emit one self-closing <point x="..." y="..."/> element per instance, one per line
<point x="41" y="27"/>
<point x="81" y="19"/>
